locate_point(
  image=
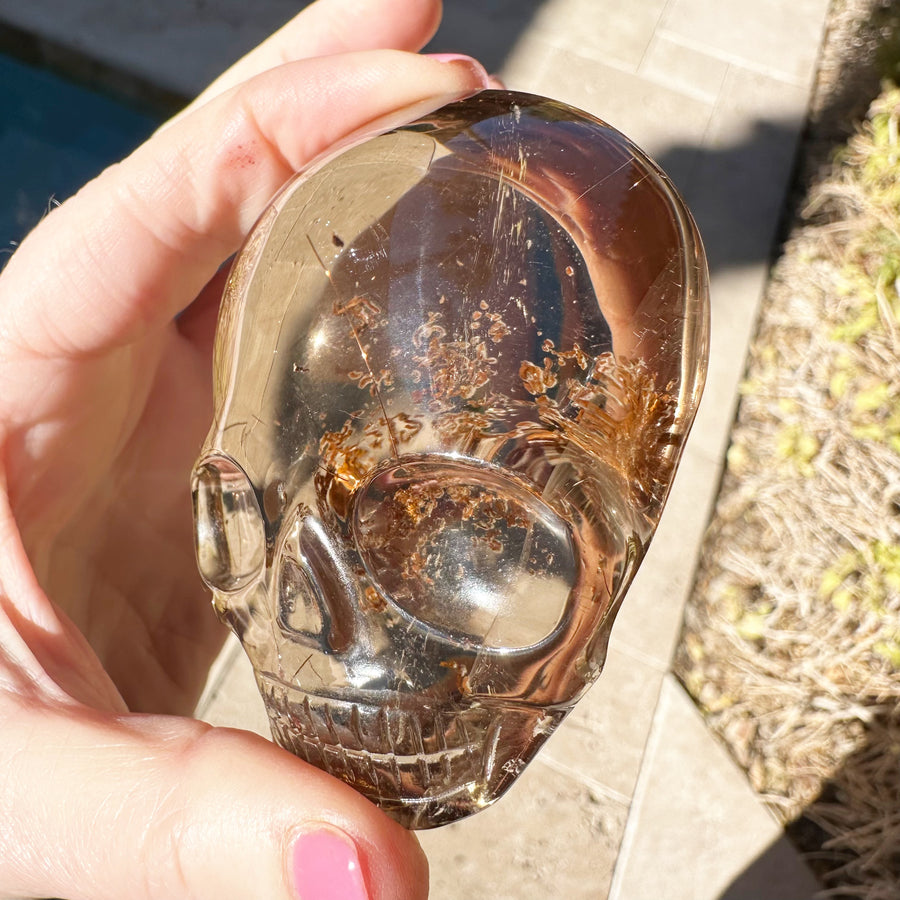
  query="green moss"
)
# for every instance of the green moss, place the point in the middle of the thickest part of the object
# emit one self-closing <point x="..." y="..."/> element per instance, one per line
<point x="867" y="580"/>
<point x="889" y="651"/>
<point x="795" y="445"/>
<point x="872" y="398"/>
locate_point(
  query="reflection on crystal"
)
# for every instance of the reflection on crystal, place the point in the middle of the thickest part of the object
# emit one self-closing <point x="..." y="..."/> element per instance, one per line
<point x="455" y="368"/>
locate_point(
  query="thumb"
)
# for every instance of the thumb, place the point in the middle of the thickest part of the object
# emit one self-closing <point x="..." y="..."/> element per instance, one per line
<point x="105" y="806"/>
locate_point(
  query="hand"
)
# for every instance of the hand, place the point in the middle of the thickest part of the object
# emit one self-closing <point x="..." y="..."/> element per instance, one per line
<point x="107" y="314"/>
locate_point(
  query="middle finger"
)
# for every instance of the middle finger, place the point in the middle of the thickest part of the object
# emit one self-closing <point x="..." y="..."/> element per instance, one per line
<point x="327" y="27"/>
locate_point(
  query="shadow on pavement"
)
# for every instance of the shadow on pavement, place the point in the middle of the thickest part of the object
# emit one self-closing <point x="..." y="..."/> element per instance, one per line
<point x="485" y="29"/>
<point x="776" y="875"/>
<point x="729" y="190"/>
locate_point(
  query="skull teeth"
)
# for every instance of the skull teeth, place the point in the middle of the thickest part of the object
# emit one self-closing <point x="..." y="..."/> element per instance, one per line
<point x="454" y="759"/>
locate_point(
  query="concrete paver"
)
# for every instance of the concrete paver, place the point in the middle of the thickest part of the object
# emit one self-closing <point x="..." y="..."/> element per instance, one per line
<point x="615" y="33"/>
<point x="650" y="618"/>
<point x="690" y="72"/>
<point x="550" y="836"/>
<point x="231" y="697"/>
<point x="602" y="743"/>
<point x="175" y="45"/>
<point x="717" y="93"/>
<point x="779" y="39"/>
<point x="692" y="800"/>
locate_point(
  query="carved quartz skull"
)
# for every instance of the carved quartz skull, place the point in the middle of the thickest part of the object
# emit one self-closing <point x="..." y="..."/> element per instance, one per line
<point x="455" y="368"/>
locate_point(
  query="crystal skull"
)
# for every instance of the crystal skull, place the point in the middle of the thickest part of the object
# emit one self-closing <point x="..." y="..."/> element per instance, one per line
<point x="455" y="368"/>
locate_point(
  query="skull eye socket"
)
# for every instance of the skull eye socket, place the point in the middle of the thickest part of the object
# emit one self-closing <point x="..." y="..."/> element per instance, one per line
<point x="463" y="549"/>
<point x="229" y="533"/>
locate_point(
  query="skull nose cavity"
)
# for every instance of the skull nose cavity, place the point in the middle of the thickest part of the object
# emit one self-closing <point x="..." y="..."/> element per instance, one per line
<point x="299" y="603"/>
<point x="465" y="549"/>
<point x="316" y="594"/>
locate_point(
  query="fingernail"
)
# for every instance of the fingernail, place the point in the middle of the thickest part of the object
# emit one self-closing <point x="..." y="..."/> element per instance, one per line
<point x="325" y="866"/>
<point x="450" y="57"/>
<point x="473" y="64"/>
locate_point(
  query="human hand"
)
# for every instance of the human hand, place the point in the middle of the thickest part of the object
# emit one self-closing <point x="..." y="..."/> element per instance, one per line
<point x="107" y="315"/>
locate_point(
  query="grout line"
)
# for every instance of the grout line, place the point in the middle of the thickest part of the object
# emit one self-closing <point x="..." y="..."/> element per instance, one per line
<point x="608" y="61"/>
<point x="736" y="60"/>
<point x="658" y="28"/>
<point x="654" y="739"/>
<point x="635" y="653"/>
<point x="598" y="787"/>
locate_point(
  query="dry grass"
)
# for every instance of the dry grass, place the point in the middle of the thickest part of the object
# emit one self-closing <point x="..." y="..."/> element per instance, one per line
<point x="792" y="638"/>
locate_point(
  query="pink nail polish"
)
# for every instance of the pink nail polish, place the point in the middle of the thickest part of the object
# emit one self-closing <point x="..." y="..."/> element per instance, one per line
<point x="325" y="866"/>
<point x="473" y="64"/>
<point x="450" y="57"/>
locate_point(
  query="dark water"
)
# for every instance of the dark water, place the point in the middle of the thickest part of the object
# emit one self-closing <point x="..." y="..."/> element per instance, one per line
<point x="54" y="136"/>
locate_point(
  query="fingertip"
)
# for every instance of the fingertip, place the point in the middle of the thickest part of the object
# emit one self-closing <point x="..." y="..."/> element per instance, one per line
<point x="332" y="842"/>
<point x="323" y="862"/>
<point x="473" y="69"/>
<point x="395" y="862"/>
<point x="430" y="15"/>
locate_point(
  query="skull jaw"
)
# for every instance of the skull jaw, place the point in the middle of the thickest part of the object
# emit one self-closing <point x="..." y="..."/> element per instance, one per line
<point x="425" y="765"/>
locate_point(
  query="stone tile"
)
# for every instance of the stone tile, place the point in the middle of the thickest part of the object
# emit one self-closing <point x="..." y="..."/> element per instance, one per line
<point x="780" y="39"/>
<point x="489" y="30"/>
<point x="649" y="622"/>
<point x="684" y="69"/>
<point x="663" y="122"/>
<point x="738" y="184"/>
<point x="734" y="297"/>
<point x="736" y="191"/>
<point x="175" y="45"/>
<point x="526" y="66"/>
<point x="218" y="672"/>
<point x="231" y="697"/>
<point x="549" y="836"/>
<point x="696" y="831"/>
<point x="608" y="31"/>
<point x="775" y="874"/>
<point x="602" y="741"/>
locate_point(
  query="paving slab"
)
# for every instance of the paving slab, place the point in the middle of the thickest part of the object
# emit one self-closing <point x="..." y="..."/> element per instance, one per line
<point x="696" y="830"/>
<point x="776" y="38"/>
<point x="175" y="45"/>
<point x="684" y="69"/>
<point x="550" y="836"/>
<point x="231" y="698"/>
<point x="649" y="620"/>
<point x="615" y="33"/>
<point x="601" y="743"/>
